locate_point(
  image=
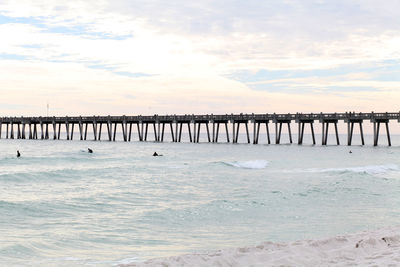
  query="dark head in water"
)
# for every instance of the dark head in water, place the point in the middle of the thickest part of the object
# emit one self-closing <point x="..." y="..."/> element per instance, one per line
<point x="18" y="154"/>
<point x="89" y="150"/>
<point x="155" y="154"/>
<point x="350" y="152"/>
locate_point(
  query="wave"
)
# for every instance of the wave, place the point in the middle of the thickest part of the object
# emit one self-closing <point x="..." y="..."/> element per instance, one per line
<point x="370" y="169"/>
<point x="252" y="164"/>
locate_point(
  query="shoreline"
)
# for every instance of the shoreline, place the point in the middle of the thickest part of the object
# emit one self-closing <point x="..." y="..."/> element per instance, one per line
<point x="375" y="248"/>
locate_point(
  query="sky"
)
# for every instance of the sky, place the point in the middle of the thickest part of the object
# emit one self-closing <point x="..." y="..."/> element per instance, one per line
<point x="116" y="57"/>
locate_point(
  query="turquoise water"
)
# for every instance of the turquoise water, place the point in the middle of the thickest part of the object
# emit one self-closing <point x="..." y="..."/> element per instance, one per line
<point x="61" y="206"/>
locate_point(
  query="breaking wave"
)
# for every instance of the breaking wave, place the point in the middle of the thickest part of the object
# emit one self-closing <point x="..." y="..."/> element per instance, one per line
<point x="371" y="169"/>
<point x="252" y="164"/>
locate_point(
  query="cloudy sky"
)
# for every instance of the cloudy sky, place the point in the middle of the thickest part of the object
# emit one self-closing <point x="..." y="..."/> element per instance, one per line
<point x="154" y="56"/>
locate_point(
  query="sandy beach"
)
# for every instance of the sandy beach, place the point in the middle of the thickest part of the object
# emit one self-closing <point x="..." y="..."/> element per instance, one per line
<point x="377" y="248"/>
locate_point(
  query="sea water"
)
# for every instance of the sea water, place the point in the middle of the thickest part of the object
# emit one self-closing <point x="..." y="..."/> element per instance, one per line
<point x="61" y="206"/>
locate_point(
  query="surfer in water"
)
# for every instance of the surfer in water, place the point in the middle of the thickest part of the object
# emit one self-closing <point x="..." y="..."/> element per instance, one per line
<point x="155" y="154"/>
<point x="89" y="150"/>
<point x="18" y="154"/>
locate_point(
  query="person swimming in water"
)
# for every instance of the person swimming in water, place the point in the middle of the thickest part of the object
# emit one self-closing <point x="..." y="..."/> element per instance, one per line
<point x="155" y="154"/>
<point x="18" y="154"/>
<point x="89" y="150"/>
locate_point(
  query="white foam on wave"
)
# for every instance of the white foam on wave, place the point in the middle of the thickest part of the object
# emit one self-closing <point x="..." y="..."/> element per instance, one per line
<point x="125" y="261"/>
<point x="377" y="248"/>
<point x="252" y="164"/>
<point x="370" y="169"/>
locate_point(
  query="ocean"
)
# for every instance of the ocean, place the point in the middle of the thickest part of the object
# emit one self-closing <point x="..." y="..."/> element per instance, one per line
<point x="61" y="206"/>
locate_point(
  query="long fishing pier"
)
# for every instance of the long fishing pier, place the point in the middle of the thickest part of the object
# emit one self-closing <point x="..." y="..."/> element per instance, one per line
<point x="41" y="127"/>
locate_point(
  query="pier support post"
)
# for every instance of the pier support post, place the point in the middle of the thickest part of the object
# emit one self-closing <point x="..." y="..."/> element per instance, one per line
<point x="162" y="132"/>
<point x="158" y="132"/>
<point x="130" y="131"/>
<point x="254" y="132"/>
<point x="94" y="130"/>
<point x="155" y="132"/>
<point x="290" y="133"/>
<point x="124" y="130"/>
<point x="109" y="130"/>
<point x="41" y="130"/>
<point x="23" y="130"/>
<point x="18" y="131"/>
<point x="247" y="132"/>
<point x="72" y="130"/>
<point x="190" y="133"/>
<point x="227" y="132"/>
<point x="194" y="131"/>
<point x="180" y="131"/>
<point x="80" y="126"/>
<point x="86" y="128"/>
<point x="35" y="135"/>
<point x="388" y="134"/>
<point x="12" y="131"/>
<point x="376" y="133"/>
<point x="337" y="134"/>
<point x="115" y="130"/>
<point x="213" y="132"/>
<point x="217" y="133"/>
<point x="30" y="131"/>
<point x="301" y="132"/>
<point x="100" y="129"/>
<point x="145" y="135"/>
<point x="140" y="132"/>
<point x="67" y="129"/>
<point x="172" y="131"/>
<point x="176" y="131"/>
<point x="59" y="130"/>
<point x="54" y="130"/>
<point x="233" y="132"/>
<point x="47" y="131"/>
<point x="237" y="133"/>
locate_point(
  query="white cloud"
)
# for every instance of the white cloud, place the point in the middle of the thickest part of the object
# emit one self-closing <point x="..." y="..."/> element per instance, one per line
<point x="189" y="47"/>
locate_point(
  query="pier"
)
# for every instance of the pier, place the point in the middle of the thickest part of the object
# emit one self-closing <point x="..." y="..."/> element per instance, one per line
<point x="42" y="127"/>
